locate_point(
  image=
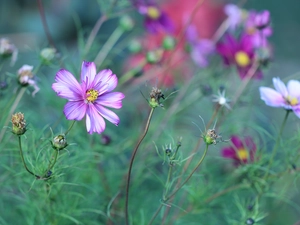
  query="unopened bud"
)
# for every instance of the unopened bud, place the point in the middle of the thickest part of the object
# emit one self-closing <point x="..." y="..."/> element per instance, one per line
<point x="18" y="123"/>
<point x="126" y="23"/>
<point x="47" y="54"/>
<point x="154" y="56"/>
<point x="59" y="142"/>
<point x="169" y="43"/>
<point x="134" y="46"/>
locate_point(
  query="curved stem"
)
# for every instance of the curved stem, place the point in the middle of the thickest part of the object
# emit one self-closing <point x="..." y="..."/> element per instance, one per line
<point x="51" y="165"/>
<point x="45" y="25"/>
<point x="128" y="75"/>
<point x="131" y="163"/>
<point x="191" y="174"/>
<point x="70" y="127"/>
<point x="22" y="157"/>
<point x="155" y="214"/>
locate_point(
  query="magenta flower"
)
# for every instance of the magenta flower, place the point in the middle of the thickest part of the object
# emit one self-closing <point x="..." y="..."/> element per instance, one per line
<point x="287" y="97"/>
<point x="155" y="18"/>
<point x="257" y="27"/>
<point x="240" y="53"/>
<point x="241" y="151"/>
<point x="90" y="97"/>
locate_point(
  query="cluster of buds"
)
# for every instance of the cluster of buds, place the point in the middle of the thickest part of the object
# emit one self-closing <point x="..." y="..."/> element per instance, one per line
<point x="171" y="154"/>
<point x="26" y="77"/>
<point x="155" y="97"/>
<point x="18" y="123"/>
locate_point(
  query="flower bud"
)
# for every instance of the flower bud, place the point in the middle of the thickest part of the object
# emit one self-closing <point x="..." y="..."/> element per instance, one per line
<point x="6" y="47"/>
<point x="154" y="56"/>
<point x="155" y="97"/>
<point x="211" y="137"/>
<point x="126" y="23"/>
<point x="18" y="123"/>
<point x="105" y="139"/>
<point x="168" y="43"/>
<point x="47" y="54"/>
<point x="59" y="142"/>
<point x="168" y="151"/>
<point x="250" y="221"/>
<point x="134" y="46"/>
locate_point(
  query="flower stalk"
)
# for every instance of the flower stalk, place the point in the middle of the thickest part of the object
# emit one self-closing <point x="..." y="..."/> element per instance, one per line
<point x="131" y="163"/>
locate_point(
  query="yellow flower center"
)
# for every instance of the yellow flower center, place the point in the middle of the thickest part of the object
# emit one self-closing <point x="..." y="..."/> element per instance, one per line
<point x="242" y="154"/>
<point x="92" y="95"/>
<point x="153" y="12"/>
<point x="242" y="59"/>
<point x="292" y="100"/>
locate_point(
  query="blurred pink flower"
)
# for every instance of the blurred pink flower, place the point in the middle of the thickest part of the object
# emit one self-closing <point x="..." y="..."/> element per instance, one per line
<point x="257" y="27"/>
<point x="155" y="18"/>
<point x="240" y="53"/>
<point x="90" y="96"/>
<point x="287" y="97"/>
<point x="241" y="151"/>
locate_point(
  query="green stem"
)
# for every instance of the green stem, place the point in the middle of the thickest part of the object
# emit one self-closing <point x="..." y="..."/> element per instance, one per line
<point x="128" y="75"/>
<point x="155" y="214"/>
<point x="111" y="41"/>
<point x="191" y="174"/>
<point x="274" y="151"/>
<point x="131" y="163"/>
<point x="51" y="165"/>
<point x="22" y="157"/>
<point x="72" y="124"/>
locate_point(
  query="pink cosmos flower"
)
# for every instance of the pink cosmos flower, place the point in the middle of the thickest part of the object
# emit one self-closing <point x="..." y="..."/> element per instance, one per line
<point x="239" y="52"/>
<point x="241" y="151"/>
<point x="287" y="97"/>
<point x="90" y="97"/>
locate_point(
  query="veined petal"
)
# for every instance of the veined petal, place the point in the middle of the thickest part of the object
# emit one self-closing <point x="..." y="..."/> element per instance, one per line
<point x="280" y="87"/>
<point x="88" y="73"/>
<point x="271" y="97"/>
<point x="293" y="88"/>
<point x="105" y="81"/>
<point x="108" y="114"/>
<point x="112" y="100"/>
<point x="67" y="86"/>
<point x="75" y="110"/>
<point x="94" y="122"/>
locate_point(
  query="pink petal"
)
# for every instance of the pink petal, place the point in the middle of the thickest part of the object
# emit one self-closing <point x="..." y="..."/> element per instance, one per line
<point x="67" y="86"/>
<point x="237" y="142"/>
<point x="280" y="87"/>
<point x="108" y="114"/>
<point x="94" y="122"/>
<point x="293" y="87"/>
<point x="112" y="100"/>
<point x="75" y="110"/>
<point x="271" y="97"/>
<point x="105" y="81"/>
<point x="228" y="152"/>
<point x="88" y="72"/>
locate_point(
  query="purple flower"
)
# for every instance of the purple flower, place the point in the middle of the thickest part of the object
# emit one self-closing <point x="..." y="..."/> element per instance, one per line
<point x="262" y="20"/>
<point x="259" y="34"/>
<point x="234" y="14"/>
<point x="155" y="18"/>
<point x="287" y="97"/>
<point x="240" y="53"/>
<point x="90" y="97"/>
<point x="241" y="151"/>
<point x="201" y="49"/>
